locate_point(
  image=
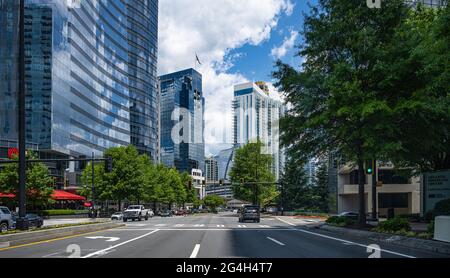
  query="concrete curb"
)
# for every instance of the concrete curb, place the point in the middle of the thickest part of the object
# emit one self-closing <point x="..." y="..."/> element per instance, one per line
<point x="37" y="236"/>
<point x="417" y="243"/>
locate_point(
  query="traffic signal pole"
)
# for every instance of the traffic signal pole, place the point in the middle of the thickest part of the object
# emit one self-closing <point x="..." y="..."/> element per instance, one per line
<point x="374" y="190"/>
<point x="22" y="223"/>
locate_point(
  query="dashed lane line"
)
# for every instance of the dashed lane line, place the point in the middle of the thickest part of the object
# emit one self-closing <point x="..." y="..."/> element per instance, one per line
<point x="195" y="251"/>
<point x="276" y="241"/>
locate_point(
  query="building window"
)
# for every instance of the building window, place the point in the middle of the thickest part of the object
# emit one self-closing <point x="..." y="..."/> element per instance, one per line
<point x="390" y="177"/>
<point x="393" y="200"/>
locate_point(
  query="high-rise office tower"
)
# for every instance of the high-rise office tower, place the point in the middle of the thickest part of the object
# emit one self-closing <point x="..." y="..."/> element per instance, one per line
<point x="256" y="116"/>
<point x="182" y="120"/>
<point x="90" y="76"/>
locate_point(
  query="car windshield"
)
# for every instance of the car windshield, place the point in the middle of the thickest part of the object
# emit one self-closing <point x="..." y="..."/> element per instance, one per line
<point x="134" y="207"/>
<point x="5" y="210"/>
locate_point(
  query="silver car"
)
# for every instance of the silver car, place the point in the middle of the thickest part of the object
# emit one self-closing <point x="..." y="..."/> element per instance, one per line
<point x="117" y="216"/>
<point x="6" y="220"/>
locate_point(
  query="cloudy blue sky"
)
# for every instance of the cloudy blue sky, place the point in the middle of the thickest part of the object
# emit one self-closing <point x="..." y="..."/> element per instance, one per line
<point x="237" y="41"/>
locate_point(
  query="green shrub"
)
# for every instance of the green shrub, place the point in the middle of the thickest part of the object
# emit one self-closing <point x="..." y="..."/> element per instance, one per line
<point x="442" y="208"/>
<point x="430" y="228"/>
<point x="339" y="221"/>
<point x="62" y="212"/>
<point x="425" y="235"/>
<point x="397" y="224"/>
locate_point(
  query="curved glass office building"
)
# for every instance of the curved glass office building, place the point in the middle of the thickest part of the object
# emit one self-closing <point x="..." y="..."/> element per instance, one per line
<point x="90" y="75"/>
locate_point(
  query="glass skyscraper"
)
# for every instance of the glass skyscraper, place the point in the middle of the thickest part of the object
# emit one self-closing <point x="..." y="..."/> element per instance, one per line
<point x="182" y="120"/>
<point x="90" y="75"/>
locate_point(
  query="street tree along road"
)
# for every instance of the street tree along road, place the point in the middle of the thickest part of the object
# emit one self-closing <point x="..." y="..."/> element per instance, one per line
<point x="372" y="86"/>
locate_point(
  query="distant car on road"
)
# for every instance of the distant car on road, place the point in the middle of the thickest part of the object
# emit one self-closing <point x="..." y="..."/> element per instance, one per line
<point x="117" y="216"/>
<point x="180" y="212"/>
<point x="166" y="213"/>
<point x="6" y="220"/>
<point x="251" y="213"/>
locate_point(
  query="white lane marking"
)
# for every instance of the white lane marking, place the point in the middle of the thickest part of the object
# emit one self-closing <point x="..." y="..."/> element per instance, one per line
<point x="276" y="241"/>
<point x="179" y="225"/>
<point x="220" y="226"/>
<point x="117" y="245"/>
<point x="207" y="229"/>
<point x="242" y="226"/>
<point x="264" y="226"/>
<point x="346" y="241"/>
<point x="195" y="251"/>
<point x="136" y="225"/>
<point x="108" y="239"/>
<point x="161" y="225"/>
<point x="199" y="225"/>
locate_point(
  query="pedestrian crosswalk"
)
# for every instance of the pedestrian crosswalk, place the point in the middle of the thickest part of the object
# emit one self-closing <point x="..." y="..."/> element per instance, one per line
<point x="201" y="225"/>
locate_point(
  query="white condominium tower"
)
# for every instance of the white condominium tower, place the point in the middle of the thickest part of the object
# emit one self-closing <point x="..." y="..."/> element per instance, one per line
<point x="256" y="116"/>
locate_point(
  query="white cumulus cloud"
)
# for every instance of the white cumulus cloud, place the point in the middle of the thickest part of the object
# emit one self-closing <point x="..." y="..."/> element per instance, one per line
<point x="212" y="29"/>
<point x="288" y="44"/>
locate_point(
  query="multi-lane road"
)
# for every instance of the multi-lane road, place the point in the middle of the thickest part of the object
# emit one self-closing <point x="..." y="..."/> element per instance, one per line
<point x="211" y="236"/>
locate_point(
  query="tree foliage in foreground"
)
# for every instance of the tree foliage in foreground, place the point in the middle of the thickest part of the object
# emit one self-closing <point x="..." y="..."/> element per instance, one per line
<point x="374" y="85"/>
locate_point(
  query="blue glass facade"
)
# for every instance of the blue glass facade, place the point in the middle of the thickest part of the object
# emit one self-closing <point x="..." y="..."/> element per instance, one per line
<point x="182" y="120"/>
<point x="90" y="74"/>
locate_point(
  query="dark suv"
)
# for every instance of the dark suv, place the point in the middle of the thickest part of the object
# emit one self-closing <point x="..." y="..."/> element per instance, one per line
<point x="249" y="213"/>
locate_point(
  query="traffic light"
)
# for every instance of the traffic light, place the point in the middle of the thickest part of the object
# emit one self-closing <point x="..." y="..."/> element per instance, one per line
<point x="221" y="182"/>
<point x="204" y="182"/>
<point x="242" y="181"/>
<point x="108" y="164"/>
<point x="190" y="185"/>
<point x="369" y="167"/>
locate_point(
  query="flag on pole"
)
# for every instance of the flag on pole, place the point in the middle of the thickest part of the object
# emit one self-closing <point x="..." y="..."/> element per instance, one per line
<point x="197" y="59"/>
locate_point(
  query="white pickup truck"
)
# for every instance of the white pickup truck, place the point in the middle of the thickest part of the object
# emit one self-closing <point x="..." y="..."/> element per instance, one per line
<point x="136" y="212"/>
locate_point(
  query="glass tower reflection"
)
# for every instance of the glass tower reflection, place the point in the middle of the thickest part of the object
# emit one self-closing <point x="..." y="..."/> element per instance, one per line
<point x="182" y="121"/>
<point x="90" y="74"/>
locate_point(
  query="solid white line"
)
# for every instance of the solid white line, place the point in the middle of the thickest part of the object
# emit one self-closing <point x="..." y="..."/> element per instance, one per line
<point x="120" y="244"/>
<point x="276" y="241"/>
<point x="346" y="241"/>
<point x="206" y="229"/>
<point x="195" y="251"/>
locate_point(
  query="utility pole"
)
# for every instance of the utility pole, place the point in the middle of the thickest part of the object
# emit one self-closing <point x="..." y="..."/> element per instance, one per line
<point x="22" y="223"/>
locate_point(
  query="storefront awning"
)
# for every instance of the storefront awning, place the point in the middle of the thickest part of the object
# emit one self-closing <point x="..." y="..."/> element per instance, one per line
<point x="57" y="195"/>
<point x="9" y="196"/>
<point x="60" y="195"/>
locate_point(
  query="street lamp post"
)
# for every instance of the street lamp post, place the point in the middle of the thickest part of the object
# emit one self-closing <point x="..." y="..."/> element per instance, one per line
<point x="22" y="223"/>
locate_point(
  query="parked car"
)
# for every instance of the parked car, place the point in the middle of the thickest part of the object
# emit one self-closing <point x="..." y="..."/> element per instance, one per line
<point x="166" y="213"/>
<point x="250" y="213"/>
<point x="151" y="213"/>
<point x="34" y="220"/>
<point x="136" y="212"/>
<point x="6" y="220"/>
<point x="117" y="216"/>
<point x="349" y="214"/>
<point x="180" y="212"/>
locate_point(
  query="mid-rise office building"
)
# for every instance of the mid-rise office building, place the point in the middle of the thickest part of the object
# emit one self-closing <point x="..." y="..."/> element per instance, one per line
<point x="182" y="120"/>
<point x="90" y="77"/>
<point x="256" y="116"/>
<point x="211" y="170"/>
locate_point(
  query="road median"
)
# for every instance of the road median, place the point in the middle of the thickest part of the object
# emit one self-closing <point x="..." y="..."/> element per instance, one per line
<point x="10" y="240"/>
<point x="410" y="242"/>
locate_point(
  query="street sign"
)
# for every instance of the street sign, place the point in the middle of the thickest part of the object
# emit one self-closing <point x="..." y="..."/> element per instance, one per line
<point x="13" y="152"/>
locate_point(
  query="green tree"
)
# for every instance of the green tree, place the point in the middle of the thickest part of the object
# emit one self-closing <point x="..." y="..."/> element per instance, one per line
<point x="295" y="189"/>
<point x="39" y="184"/>
<point x="251" y="165"/>
<point x="337" y="101"/>
<point x="213" y="201"/>
<point x="320" y="190"/>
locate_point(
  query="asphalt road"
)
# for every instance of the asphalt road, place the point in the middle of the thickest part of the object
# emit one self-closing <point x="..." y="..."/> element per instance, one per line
<point x="212" y="236"/>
